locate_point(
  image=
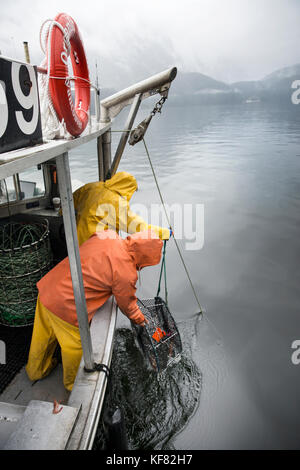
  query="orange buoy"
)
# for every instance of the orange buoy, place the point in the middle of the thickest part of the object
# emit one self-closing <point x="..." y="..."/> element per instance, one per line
<point x="65" y="41"/>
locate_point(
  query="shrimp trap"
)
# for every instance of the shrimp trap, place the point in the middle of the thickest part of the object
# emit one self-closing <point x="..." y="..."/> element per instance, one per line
<point x="159" y="339"/>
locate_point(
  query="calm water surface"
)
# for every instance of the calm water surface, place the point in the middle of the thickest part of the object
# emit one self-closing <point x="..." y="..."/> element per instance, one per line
<point x="238" y="386"/>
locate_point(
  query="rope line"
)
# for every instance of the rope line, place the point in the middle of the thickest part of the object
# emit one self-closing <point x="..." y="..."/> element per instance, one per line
<point x="50" y="123"/>
<point x="167" y="217"/>
<point x="74" y="77"/>
<point x="201" y="312"/>
<point x="163" y="268"/>
<point x="168" y="220"/>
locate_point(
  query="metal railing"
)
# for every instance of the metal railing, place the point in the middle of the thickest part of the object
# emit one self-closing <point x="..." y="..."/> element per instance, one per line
<point x="113" y="105"/>
<point x="159" y="83"/>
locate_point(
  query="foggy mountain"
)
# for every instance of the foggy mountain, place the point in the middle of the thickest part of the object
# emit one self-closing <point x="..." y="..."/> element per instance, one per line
<point x="275" y="86"/>
<point x="195" y="88"/>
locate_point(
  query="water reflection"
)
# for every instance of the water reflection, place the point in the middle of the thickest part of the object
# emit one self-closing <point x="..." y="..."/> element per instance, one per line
<point x="242" y="163"/>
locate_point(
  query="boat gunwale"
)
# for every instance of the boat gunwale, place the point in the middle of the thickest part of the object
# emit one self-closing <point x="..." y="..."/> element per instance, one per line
<point x="90" y="388"/>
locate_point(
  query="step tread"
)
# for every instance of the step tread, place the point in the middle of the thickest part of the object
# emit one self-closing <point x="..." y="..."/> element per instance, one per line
<point x="40" y="429"/>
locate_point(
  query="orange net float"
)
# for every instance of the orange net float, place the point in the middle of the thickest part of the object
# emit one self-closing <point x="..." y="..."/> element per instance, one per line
<point x="65" y="42"/>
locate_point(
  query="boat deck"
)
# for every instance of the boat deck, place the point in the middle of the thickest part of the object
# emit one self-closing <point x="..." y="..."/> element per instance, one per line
<point x="17" y="342"/>
<point x="85" y="401"/>
<point x="21" y="390"/>
<point x="19" y="393"/>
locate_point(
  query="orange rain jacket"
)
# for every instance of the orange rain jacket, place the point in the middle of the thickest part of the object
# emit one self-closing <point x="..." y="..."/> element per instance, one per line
<point x="105" y="205"/>
<point x="109" y="267"/>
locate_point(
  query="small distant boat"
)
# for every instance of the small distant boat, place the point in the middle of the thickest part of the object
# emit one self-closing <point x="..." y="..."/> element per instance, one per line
<point x="252" y="100"/>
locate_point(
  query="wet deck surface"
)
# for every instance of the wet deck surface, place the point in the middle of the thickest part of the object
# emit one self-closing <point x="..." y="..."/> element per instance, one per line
<point x="18" y="394"/>
<point x="17" y="343"/>
<point x="21" y="390"/>
<point x="15" y="387"/>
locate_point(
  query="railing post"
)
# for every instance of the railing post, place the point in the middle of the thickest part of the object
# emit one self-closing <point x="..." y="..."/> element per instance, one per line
<point x="101" y="172"/>
<point x="111" y="107"/>
<point x="106" y="147"/>
<point x="66" y="195"/>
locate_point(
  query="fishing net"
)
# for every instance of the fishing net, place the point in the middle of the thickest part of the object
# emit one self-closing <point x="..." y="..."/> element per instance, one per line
<point x="159" y="339"/>
<point x="25" y="257"/>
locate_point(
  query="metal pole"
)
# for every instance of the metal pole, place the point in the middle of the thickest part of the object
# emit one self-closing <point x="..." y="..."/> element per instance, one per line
<point x="128" y="126"/>
<point x="17" y="186"/>
<point x="112" y="105"/>
<point x="97" y="104"/>
<point x="106" y="139"/>
<point x="26" y="50"/>
<point x="101" y="172"/>
<point x="97" y="96"/>
<point x="65" y="189"/>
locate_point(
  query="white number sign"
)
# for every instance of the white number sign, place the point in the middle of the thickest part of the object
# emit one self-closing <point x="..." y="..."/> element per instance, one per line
<point x="20" y="121"/>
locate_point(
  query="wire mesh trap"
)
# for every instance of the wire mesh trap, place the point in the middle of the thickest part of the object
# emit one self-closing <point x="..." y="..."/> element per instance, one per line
<point x="159" y="339"/>
<point x="17" y="343"/>
<point x="25" y="257"/>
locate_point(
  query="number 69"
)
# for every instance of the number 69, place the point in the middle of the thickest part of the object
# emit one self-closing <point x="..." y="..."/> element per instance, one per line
<point x="26" y="101"/>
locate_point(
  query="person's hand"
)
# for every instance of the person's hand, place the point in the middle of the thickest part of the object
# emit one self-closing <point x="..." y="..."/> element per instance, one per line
<point x="144" y="322"/>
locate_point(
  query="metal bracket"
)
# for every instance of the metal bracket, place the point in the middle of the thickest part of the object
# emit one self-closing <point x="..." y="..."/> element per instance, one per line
<point x="123" y="140"/>
<point x="138" y="133"/>
<point x="98" y="368"/>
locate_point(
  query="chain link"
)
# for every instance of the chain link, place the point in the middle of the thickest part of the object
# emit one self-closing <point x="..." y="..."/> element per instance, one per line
<point x="158" y="107"/>
<point x="138" y="133"/>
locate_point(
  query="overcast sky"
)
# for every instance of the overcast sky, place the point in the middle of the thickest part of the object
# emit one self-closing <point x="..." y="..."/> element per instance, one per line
<point x="229" y="40"/>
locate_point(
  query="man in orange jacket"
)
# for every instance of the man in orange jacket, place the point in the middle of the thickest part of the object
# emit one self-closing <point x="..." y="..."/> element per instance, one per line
<point x="109" y="267"/>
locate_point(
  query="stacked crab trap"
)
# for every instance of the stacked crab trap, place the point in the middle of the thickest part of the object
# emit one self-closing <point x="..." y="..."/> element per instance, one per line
<point x="159" y="339"/>
<point x="25" y="257"/>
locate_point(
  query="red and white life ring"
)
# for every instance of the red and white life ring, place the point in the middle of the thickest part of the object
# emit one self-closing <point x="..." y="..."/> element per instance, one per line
<point x="61" y="46"/>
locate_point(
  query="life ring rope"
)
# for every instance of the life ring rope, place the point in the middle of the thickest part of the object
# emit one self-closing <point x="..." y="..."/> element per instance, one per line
<point x="72" y="77"/>
<point x="59" y="126"/>
<point x="51" y="125"/>
<point x="53" y="23"/>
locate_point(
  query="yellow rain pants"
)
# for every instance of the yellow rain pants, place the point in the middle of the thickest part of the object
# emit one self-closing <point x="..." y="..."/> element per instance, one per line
<point x="49" y="329"/>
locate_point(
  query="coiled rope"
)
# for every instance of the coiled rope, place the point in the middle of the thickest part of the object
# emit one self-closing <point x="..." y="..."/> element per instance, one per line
<point x="51" y="125"/>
